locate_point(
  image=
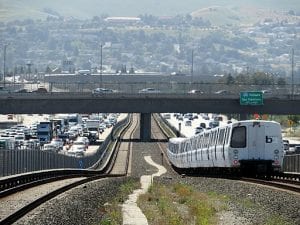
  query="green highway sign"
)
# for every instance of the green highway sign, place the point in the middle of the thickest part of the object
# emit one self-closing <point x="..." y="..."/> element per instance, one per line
<point x="251" y="98"/>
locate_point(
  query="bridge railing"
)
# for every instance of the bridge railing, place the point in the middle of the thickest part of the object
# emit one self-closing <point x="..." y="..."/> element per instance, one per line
<point x="174" y="87"/>
<point x="23" y="161"/>
<point x="164" y="87"/>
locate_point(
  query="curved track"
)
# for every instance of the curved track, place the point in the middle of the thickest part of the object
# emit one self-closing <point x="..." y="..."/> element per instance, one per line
<point x="30" y="195"/>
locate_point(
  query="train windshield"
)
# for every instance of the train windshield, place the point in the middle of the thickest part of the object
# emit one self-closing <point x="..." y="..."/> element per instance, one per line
<point x="238" y="138"/>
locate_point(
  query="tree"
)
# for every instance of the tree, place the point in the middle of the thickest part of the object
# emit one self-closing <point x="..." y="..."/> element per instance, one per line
<point x="229" y="79"/>
<point x="131" y="71"/>
<point x="294" y="118"/>
<point x="281" y="81"/>
<point x="48" y="70"/>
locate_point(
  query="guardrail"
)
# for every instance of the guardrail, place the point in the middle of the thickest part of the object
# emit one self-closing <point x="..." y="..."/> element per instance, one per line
<point x="23" y="161"/>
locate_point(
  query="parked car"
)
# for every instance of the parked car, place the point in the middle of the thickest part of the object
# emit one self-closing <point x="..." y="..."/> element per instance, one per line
<point x="149" y="90"/>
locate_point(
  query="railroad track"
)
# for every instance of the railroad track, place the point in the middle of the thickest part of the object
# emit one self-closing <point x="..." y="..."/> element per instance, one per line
<point x="277" y="183"/>
<point x="12" y="193"/>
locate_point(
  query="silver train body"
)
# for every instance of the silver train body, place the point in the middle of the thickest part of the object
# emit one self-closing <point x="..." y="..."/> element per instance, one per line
<point x="251" y="145"/>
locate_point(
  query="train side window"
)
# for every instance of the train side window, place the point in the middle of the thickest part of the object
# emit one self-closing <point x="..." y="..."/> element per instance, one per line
<point x="238" y="137"/>
<point x="221" y="137"/>
<point x="227" y="135"/>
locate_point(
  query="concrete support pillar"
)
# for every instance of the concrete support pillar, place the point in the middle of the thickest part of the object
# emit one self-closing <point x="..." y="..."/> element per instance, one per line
<point x="145" y="128"/>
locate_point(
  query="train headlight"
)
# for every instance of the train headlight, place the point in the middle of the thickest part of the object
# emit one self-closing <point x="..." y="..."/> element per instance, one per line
<point x="235" y="157"/>
<point x="276" y="151"/>
<point x="235" y="151"/>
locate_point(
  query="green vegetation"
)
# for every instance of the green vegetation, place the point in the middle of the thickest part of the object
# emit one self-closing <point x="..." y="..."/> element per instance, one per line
<point x="179" y="204"/>
<point x="112" y="211"/>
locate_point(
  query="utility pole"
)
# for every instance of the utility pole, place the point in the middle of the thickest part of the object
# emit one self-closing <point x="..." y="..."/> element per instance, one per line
<point x="101" y="66"/>
<point x="29" y="64"/>
<point x="292" y="73"/>
<point x="4" y="64"/>
<point x="192" y="68"/>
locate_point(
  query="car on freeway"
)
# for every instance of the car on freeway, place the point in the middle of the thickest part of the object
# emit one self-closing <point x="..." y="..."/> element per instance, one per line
<point x="199" y="130"/>
<point x="50" y="148"/>
<point x="196" y="92"/>
<point x="76" y="152"/>
<point x="167" y="116"/>
<point x="203" y="125"/>
<point x="23" y="90"/>
<point x="188" y="123"/>
<point x="223" y="92"/>
<point x="149" y="90"/>
<point x="40" y="90"/>
<point x="3" y="90"/>
<point x="103" y="91"/>
<point x="84" y="139"/>
<point x="266" y="91"/>
<point x="286" y="145"/>
<point x="58" y="142"/>
<point x="79" y="145"/>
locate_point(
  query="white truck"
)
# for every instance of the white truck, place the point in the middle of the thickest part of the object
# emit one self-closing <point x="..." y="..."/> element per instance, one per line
<point x="92" y="127"/>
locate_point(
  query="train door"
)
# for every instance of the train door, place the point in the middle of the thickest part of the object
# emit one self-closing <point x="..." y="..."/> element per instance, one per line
<point x="256" y="144"/>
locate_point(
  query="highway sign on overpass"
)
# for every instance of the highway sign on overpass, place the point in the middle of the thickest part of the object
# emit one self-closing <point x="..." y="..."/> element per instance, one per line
<point x="251" y="98"/>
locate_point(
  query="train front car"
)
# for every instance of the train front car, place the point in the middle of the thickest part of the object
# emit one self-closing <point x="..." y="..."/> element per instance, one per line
<point x="256" y="147"/>
<point x="175" y="151"/>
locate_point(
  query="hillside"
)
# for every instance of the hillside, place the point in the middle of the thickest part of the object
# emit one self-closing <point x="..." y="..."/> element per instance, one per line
<point x="20" y="9"/>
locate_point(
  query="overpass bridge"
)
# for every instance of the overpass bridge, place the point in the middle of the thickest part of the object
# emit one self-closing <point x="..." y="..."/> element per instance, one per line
<point x="143" y="103"/>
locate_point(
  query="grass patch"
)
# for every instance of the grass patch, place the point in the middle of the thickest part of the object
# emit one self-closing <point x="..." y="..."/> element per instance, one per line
<point x="113" y="211"/>
<point x="178" y="205"/>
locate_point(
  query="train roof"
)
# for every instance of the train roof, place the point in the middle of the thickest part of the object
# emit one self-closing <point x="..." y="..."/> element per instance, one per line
<point x="255" y="121"/>
<point x="238" y="123"/>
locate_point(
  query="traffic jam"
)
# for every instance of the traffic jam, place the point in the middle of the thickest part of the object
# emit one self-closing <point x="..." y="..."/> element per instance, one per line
<point x="70" y="134"/>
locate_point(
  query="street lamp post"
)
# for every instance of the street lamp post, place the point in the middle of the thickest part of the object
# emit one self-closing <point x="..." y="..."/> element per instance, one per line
<point x="293" y="73"/>
<point x="101" y="66"/>
<point x="192" y="67"/>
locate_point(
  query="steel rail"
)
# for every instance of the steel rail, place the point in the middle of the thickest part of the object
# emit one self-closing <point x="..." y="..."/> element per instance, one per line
<point x="282" y="185"/>
<point x="26" y="209"/>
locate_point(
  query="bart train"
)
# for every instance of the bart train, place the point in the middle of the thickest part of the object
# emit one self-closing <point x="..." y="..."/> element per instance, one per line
<point x="250" y="146"/>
